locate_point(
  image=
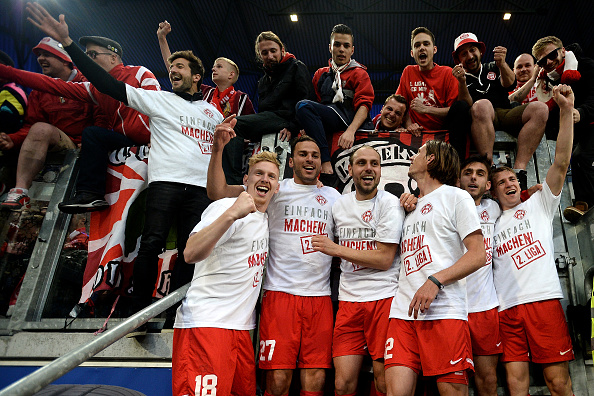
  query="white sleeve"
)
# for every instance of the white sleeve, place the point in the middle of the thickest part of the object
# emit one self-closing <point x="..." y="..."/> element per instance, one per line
<point x="549" y="201"/>
<point x="467" y="220"/>
<point x="213" y="212"/>
<point x="143" y="100"/>
<point x="389" y="228"/>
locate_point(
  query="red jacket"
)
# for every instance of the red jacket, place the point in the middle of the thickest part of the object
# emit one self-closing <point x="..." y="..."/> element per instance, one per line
<point x="238" y="103"/>
<point x="68" y="115"/>
<point x="356" y="86"/>
<point x="121" y="118"/>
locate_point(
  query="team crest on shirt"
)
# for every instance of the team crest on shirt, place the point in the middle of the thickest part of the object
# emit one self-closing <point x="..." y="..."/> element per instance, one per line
<point x="491" y="76"/>
<point x="321" y="200"/>
<point x="520" y="214"/>
<point x="367" y="216"/>
<point x="426" y="209"/>
<point x="484" y="215"/>
<point x="208" y="113"/>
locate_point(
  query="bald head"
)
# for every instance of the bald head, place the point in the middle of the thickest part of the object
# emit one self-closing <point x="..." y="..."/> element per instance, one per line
<point x="524" y="67"/>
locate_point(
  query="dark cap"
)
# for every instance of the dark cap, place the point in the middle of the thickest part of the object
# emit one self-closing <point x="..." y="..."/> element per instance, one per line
<point x="110" y="44"/>
<point x="5" y="59"/>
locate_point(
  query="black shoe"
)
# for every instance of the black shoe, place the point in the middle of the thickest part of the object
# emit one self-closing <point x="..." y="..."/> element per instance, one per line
<point x="522" y="176"/>
<point x="84" y="202"/>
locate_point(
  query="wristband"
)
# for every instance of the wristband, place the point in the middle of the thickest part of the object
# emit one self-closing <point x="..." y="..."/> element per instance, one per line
<point x="437" y="283"/>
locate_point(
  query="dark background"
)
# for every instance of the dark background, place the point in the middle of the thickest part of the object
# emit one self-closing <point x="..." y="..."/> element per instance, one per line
<point x="228" y="28"/>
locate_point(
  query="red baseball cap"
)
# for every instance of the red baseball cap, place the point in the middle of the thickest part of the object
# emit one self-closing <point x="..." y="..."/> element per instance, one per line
<point x="53" y="47"/>
<point x="466" y="38"/>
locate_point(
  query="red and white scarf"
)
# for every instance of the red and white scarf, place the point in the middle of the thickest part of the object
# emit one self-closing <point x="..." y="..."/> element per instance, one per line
<point x="220" y="99"/>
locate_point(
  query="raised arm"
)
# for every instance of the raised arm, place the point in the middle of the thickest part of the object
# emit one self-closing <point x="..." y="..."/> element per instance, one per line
<point x="43" y="83"/>
<point x="101" y="79"/>
<point x="162" y="32"/>
<point x="507" y="75"/>
<point x="216" y="183"/>
<point x="460" y="74"/>
<point x="381" y="258"/>
<point x="524" y="90"/>
<point x="563" y="96"/>
<point x="201" y="244"/>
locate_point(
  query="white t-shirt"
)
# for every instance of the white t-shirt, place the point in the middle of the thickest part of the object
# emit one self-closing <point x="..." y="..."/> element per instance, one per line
<point x="181" y="135"/>
<point x="523" y="260"/>
<point x="359" y="225"/>
<point x="480" y="288"/>
<point x="226" y="285"/>
<point x="295" y="214"/>
<point x="432" y="240"/>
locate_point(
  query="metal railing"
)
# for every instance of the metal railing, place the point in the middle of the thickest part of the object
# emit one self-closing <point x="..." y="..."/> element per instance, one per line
<point x="47" y="374"/>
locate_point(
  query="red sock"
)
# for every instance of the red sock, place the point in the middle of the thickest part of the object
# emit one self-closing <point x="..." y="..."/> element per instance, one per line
<point x="351" y="394"/>
<point x="307" y="393"/>
<point x="268" y="394"/>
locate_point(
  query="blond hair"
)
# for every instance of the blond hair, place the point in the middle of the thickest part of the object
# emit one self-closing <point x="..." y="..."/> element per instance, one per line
<point x="264" y="156"/>
<point x="233" y="65"/>
<point x="543" y="42"/>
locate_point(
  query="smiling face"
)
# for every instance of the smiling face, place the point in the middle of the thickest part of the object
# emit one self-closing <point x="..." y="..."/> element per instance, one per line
<point x="262" y="183"/>
<point x="423" y="50"/>
<point x="306" y="163"/>
<point x="524" y="67"/>
<point x="181" y="76"/>
<point x="341" y="48"/>
<point x="392" y="114"/>
<point x="554" y="57"/>
<point x="366" y="171"/>
<point x="474" y="178"/>
<point x="506" y="188"/>
<point x="51" y="65"/>
<point x="469" y="56"/>
<point x="270" y="52"/>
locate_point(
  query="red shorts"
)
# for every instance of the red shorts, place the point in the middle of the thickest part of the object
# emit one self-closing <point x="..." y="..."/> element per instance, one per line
<point x="535" y="332"/>
<point x="435" y="347"/>
<point x="361" y="328"/>
<point x="209" y="360"/>
<point x="295" y="331"/>
<point x="484" y="332"/>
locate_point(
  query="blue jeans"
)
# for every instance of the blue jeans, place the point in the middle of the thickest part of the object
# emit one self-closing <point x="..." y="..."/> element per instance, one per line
<point x="167" y="202"/>
<point x="97" y="142"/>
<point x="318" y="120"/>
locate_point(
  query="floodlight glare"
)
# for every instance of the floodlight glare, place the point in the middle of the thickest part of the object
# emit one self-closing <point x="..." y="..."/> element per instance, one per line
<point x="293" y="17"/>
<point x="506" y="16"/>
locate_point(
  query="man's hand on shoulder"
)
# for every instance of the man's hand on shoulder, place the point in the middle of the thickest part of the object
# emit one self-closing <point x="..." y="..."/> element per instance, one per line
<point x="42" y="19"/>
<point x="408" y="202"/>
